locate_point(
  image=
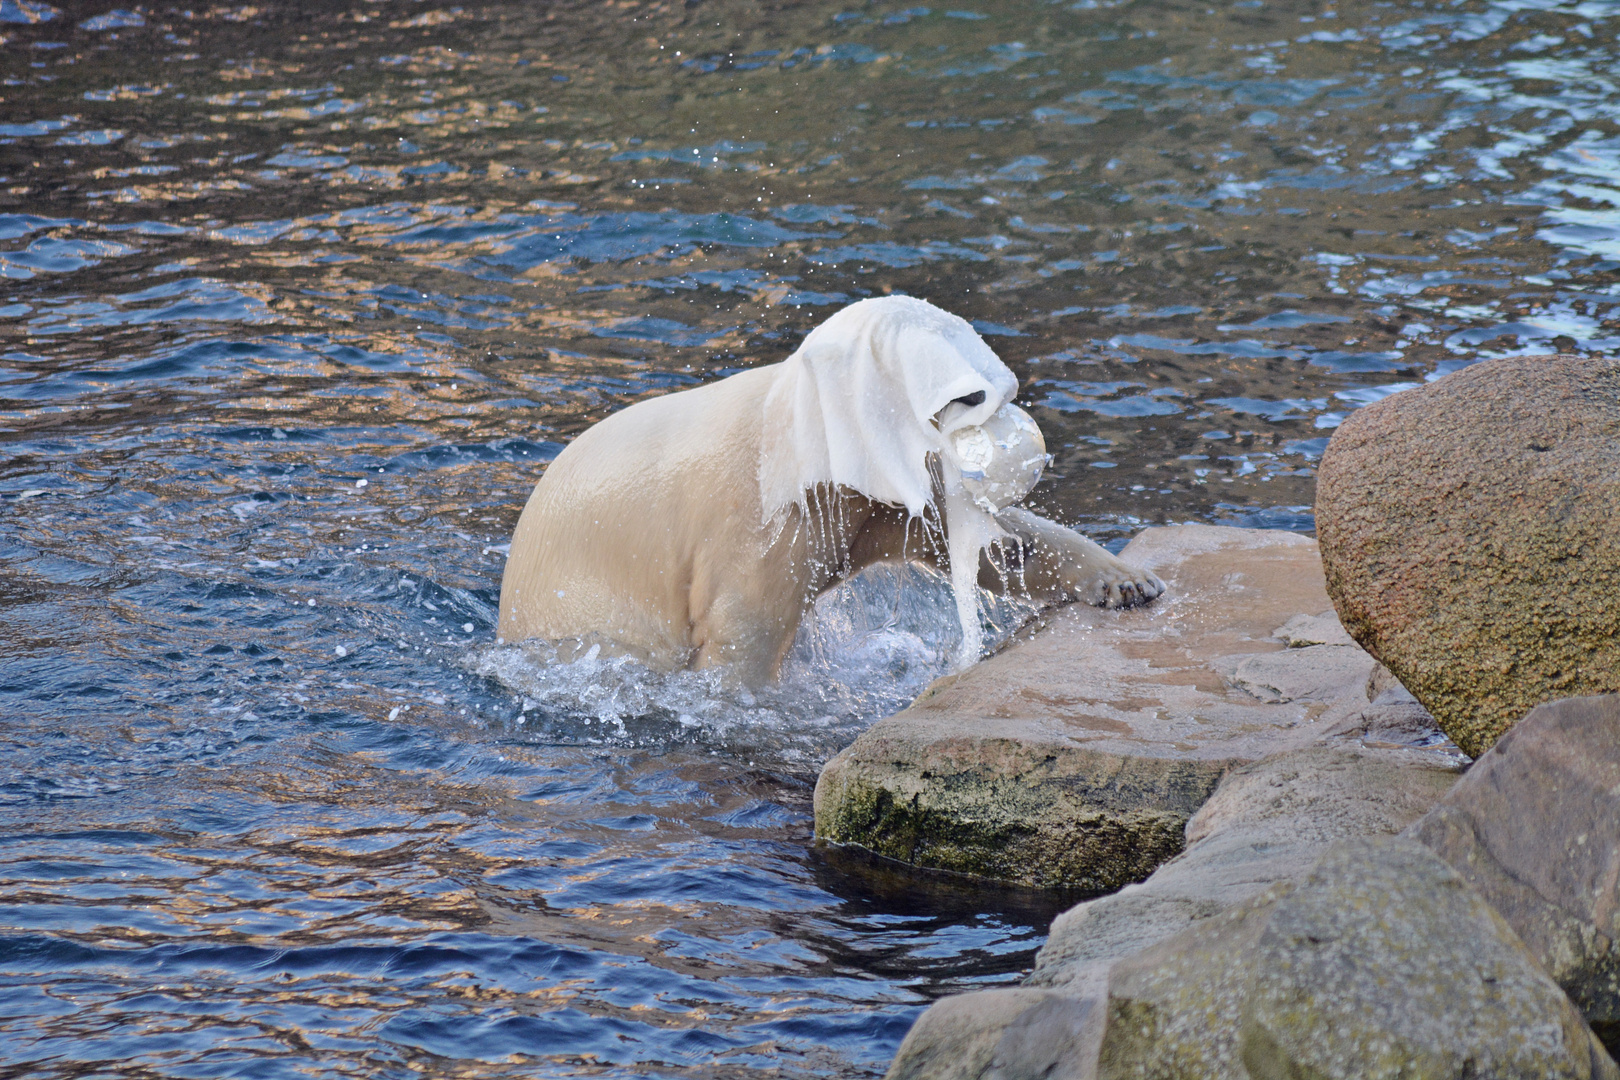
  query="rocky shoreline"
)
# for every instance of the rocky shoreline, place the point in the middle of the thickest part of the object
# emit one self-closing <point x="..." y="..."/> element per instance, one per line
<point x="1340" y="911"/>
<point x="1306" y="877"/>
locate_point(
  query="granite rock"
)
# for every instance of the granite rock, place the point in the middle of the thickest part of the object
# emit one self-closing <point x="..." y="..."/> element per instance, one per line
<point x="1267" y="822"/>
<point x="1467" y="532"/>
<point x="1381" y="962"/>
<point x="999" y="1035"/>
<point x="1534" y="826"/>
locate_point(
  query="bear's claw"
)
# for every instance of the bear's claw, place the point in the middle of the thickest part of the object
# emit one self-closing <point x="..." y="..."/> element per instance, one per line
<point x="1121" y="585"/>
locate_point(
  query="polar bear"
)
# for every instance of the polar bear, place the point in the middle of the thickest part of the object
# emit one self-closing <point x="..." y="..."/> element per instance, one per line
<point x="695" y="529"/>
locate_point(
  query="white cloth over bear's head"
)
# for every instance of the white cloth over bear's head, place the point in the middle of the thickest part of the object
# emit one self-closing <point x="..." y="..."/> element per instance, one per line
<point x="856" y="405"/>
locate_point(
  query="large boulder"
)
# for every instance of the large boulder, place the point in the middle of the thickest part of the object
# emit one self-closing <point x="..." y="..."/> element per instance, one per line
<point x="1534" y="826"/>
<point x="1468" y="535"/>
<point x="1075" y="757"/>
<point x="1381" y="962"/>
<point x="1267" y="822"/>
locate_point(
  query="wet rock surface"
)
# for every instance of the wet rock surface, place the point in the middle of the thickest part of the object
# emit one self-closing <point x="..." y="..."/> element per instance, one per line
<point x="1380" y="962"/>
<point x="1467" y="532"/>
<point x="1535" y="827"/>
<point x="1076" y="756"/>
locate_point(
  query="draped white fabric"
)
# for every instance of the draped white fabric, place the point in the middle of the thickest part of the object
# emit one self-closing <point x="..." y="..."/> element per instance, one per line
<point x="854" y="407"/>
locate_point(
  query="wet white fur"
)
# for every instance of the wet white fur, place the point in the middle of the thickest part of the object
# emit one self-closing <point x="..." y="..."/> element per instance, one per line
<point x="695" y="528"/>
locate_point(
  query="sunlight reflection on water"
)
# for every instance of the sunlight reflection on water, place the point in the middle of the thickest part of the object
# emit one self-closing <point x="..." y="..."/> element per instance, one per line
<point x="297" y="301"/>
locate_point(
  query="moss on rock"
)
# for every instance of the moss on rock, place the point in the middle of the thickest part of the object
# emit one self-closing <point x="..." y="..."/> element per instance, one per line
<point x="1092" y="823"/>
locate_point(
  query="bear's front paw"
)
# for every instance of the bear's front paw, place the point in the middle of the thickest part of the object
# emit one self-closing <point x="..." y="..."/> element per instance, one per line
<point x="1118" y="584"/>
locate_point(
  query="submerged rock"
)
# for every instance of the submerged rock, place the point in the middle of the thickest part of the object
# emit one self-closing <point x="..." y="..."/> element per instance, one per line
<point x="1535" y="827"/>
<point x="1468" y="535"/>
<point x="1076" y="756"/>
<point x="1380" y="962"/>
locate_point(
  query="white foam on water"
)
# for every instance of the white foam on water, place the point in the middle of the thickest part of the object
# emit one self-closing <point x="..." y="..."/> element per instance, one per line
<point x="864" y="651"/>
<point x="868" y="403"/>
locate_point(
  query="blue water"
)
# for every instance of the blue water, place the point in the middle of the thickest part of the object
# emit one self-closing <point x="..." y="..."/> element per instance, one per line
<point x="297" y="300"/>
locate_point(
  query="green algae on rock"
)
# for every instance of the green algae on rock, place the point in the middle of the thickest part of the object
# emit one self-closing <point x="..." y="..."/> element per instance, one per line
<point x="1012" y="808"/>
<point x="1468" y="536"/>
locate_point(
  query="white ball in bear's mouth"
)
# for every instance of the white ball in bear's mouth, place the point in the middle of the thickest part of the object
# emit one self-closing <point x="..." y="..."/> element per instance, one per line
<point x="1000" y="460"/>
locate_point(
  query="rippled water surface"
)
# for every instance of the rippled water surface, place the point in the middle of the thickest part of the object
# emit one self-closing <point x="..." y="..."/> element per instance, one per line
<point x="297" y="299"/>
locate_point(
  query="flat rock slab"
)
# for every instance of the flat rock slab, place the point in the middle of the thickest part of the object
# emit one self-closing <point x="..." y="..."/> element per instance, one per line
<point x="1075" y="757"/>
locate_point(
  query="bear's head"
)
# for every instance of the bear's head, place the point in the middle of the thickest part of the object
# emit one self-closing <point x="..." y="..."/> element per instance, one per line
<point x="876" y="390"/>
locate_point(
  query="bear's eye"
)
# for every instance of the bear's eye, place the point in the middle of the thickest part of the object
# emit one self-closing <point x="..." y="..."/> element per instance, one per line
<point x="970" y="400"/>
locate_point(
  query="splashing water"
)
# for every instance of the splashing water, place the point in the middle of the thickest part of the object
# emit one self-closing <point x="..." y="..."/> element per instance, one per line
<point x="985" y="469"/>
<point x="864" y="650"/>
<point x="867" y="403"/>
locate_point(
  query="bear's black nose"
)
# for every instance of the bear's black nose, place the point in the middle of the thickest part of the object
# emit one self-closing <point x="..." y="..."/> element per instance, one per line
<point x="970" y="400"/>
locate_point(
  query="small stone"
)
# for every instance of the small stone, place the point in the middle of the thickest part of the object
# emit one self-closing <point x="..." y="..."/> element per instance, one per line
<point x="1311" y="673"/>
<point x="1303" y="631"/>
